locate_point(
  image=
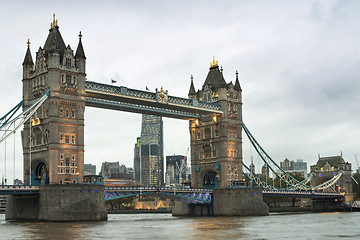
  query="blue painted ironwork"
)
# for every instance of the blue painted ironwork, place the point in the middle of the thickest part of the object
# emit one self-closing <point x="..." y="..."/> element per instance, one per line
<point x="139" y="108"/>
<point x="188" y="195"/>
<point x="282" y="175"/>
<point x="302" y="194"/>
<point x="158" y="103"/>
<point x="6" y="117"/>
<point x="21" y="118"/>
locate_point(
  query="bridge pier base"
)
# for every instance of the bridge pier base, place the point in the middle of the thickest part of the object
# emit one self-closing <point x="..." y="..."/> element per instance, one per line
<point x="59" y="203"/>
<point x="22" y="207"/>
<point x="185" y="209"/>
<point x="327" y="205"/>
<point x="227" y="202"/>
<point x="239" y="202"/>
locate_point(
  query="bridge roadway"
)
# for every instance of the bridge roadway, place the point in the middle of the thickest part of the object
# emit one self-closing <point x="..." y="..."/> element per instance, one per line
<point x="159" y="103"/>
<point x="188" y="195"/>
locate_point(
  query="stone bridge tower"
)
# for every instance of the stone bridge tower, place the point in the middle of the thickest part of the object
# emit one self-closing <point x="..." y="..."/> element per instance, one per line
<point x="216" y="142"/>
<point x="53" y="143"/>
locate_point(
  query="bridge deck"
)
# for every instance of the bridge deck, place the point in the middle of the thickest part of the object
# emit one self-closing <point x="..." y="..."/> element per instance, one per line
<point x="180" y="192"/>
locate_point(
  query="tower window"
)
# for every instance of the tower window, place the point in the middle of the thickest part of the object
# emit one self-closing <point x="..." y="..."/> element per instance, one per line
<point x="67" y="162"/>
<point x="61" y="111"/>
<point x="207" y="133"/>
<point x="73" y="113"/>
<point x="68" y="61"/>
<point x="61" y="138"/>
<point x="67" y="138"/>
<point x="68" y="79"/>
<point x="67" y="114"/>
<point x="62" y="78"/>
<point x="61" y="157"/>
<point x="72" y="139"/>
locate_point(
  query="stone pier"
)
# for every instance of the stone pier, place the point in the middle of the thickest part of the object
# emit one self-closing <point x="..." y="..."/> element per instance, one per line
<point x="59" y="203"/>
<point x="227" y="202"/>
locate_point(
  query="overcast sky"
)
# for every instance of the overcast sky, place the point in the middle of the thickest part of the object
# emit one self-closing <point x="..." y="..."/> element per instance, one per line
<point x="298" y="64"/>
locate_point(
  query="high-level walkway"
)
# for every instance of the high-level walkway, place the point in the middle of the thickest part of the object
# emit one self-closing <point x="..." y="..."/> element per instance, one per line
<point x="159" y="103"/>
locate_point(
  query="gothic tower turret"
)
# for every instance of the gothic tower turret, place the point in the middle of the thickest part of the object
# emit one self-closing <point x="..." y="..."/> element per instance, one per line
<point x="28" y="66"/>
<point x="216" y="142"/>
<point x="80" y="56"/>
<point x="192" y="92"/>
<point x="54" y="143"/>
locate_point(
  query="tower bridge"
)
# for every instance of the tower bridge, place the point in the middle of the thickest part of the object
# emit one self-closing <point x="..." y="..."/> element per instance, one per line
<point x="55" y="95"/>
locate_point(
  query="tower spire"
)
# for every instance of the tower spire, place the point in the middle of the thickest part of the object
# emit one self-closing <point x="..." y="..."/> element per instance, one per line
<point x="28" y="61"/>
<point x="54" y="22"/>
<point x="237" y="82"/>
<point x="80" y="54"/>
<point x="192" y="91"/>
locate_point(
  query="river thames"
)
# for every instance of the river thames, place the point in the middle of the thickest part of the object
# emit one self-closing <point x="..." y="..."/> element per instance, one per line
<point x="164" y="226"/>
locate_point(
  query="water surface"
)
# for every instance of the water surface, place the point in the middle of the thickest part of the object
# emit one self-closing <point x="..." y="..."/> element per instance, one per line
<point x="164" y="226"/>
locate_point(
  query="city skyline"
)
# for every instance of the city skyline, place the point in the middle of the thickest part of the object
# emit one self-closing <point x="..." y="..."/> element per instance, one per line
<point x="297" y="66"/>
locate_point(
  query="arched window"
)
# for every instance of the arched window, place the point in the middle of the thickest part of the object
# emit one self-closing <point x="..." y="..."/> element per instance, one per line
<point x="207" y="133"/>
<point x="207" y="150"/>
<point x="38" y="137"/>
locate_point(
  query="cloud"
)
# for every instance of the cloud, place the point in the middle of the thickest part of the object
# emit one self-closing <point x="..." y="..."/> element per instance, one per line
<point x="297" y="61"/>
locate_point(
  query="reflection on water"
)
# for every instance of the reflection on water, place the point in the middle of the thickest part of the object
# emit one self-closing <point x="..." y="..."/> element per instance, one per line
<point x="218" y="228"/>
<point x="42" y="230"/>
<point x="164" y="226"/>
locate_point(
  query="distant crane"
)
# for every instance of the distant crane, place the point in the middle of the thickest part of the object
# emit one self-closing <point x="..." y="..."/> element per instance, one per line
<point x="180" y="170"/>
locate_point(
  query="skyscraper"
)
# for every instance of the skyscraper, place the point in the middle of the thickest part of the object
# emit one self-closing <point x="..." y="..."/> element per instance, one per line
<point x="151" y="150"/>
<point x="176" y="169"/>
<point x="137" y="167"/>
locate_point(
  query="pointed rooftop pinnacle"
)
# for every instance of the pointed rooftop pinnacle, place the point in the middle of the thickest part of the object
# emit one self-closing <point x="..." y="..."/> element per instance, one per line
<point x="214" y="63"/>
<point x="28" y="62"/>
<point x="192" y="88"/>
<point x="80" y="54"/>
<point x="54" y="23"/>
<point x="215" y="78"/>
<point x="54" y="41"/>
<point x="237" y="83"/>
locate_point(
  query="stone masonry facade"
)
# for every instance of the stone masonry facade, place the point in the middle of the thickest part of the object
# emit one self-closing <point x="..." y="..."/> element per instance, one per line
<point x="54" y="146"/>
<point x="216" y="141"/>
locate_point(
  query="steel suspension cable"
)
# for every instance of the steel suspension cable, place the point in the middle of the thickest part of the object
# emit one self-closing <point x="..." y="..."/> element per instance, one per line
<point x="257" y="146"/>
<point x="14" y="158"/>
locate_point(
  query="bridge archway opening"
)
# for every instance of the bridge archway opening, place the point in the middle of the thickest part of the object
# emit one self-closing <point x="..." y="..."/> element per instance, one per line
<point x="211" y="180"/>
<point x="41" y="174"/>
